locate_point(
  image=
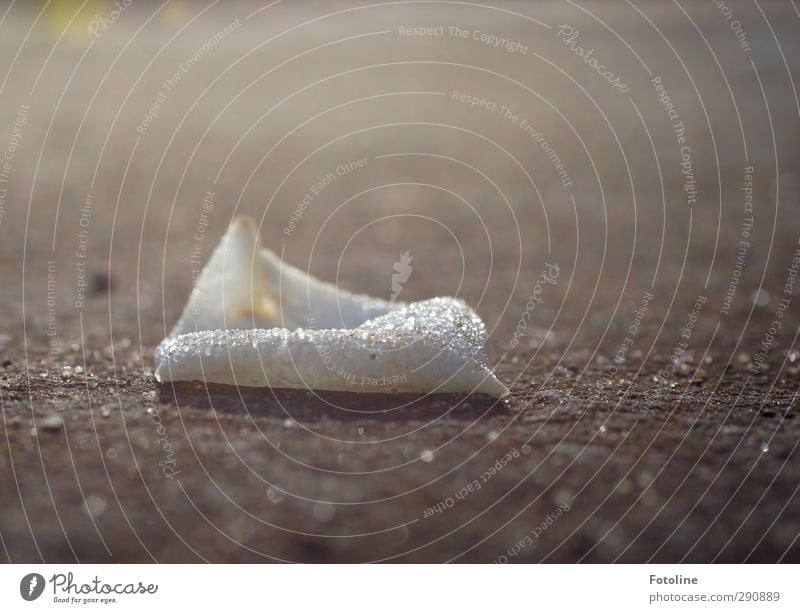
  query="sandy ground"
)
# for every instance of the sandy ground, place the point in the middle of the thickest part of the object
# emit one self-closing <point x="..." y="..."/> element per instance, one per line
<point x="653" y="412"/>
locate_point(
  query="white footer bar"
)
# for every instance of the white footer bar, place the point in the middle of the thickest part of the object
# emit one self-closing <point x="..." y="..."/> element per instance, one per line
<point x="406" y="588"/>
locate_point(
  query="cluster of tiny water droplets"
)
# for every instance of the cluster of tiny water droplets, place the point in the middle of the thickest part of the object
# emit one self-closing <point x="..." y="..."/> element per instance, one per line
<point x="448" y="322"/>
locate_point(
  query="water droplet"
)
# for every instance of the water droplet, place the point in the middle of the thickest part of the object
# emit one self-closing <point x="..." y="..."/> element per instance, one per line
<point x="426" y="456"/>
<point x="274" y="495"/>
<point x="526" y="449"/>
<point x="603" y="428"/>
<point x="51" y="422"/>
<point x="288" y="422"/>
<point x="644" y="479"/>
<point x="764" y="447"/>
<point x="360" y="431"/>
<point x="563" y="497"/>
<point x="94" y="505"/>
<point x="761" y="297"/>
<point x="492" y="435"/>
<point x="323" y="511"/>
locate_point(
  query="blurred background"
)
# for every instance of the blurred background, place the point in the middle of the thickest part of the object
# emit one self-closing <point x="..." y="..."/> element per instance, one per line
<point x="646" y="149"/>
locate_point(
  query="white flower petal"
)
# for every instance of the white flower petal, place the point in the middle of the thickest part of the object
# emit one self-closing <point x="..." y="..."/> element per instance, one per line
<point x="253" y="320"/>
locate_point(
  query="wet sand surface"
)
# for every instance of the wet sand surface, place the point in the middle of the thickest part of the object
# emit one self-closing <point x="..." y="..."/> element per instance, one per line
<point x="654" y="378"/>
